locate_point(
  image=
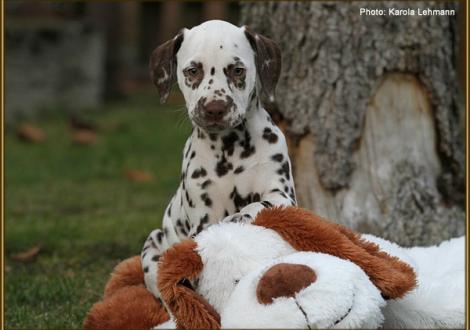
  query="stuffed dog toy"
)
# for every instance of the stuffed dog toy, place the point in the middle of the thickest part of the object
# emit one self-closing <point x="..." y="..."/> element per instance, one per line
<point x="240" y="275"/>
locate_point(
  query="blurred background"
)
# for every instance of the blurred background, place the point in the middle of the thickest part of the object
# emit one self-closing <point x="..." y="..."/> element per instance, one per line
<point x="374" y="116"/>
<point x="91" y="156"/>
<point x="89" y="52"/>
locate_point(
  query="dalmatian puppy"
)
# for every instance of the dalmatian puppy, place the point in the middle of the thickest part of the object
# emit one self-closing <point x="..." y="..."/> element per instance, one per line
<point x="235" y="163"/>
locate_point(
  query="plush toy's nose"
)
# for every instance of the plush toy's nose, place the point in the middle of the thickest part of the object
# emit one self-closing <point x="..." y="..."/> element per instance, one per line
<point x="283" y="280"/>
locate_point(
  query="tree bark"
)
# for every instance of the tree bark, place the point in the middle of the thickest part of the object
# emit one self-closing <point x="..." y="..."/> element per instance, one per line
<point x="372" y="109"/>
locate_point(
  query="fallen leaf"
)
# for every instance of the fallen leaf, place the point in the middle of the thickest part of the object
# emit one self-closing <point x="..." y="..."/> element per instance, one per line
<point x="81" y="124"/>
<point x="28" y="255"/>
<point x="29" y="133"/>
<point x="138" y="175"/>
<point x="84" y="136"/>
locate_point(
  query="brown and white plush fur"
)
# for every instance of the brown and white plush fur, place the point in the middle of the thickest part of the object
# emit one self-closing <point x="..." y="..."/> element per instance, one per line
<point x="235" y="163"/>
<point x="283" y="231"/>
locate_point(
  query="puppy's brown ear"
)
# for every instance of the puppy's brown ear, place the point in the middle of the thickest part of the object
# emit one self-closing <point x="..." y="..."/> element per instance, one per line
<point x="306" y="231"/>
<point x="163" y="65"/>
<point x="178" y="266"/>
<point x="268" y="63"/>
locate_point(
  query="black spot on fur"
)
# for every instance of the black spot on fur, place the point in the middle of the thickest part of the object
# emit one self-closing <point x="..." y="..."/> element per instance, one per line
<point x="206" y="199"/>
<point x="212" y="146"/>
<point x="266" y="204"/>
<point x="206" y="183"/>
<point x="248" y="149"/>
<point x="239" y="169"/>
<point x="204" y="220"/>
<point x="212" y="71"/>
<point x="284" y="170"/>
<point x="239" y="201"/>
<point x="225" y="213"/>
<point x="228" y="143"/>
<point x="168" y="211"/>
<point x="159" y="237"/>
<point x="193" y="154"/>
<point x="180" y="227"/>
<point x="146" y="269"/>
<point x="269" y="135"/>
<point x="223" y="166"/>
<point x="213" y="136"/>
<point x="188" y="150"/>
<point x="277" y="157"/>
<point x="201" y="172"/>
<point x="190" y="202"/>
<point x="221" y="47"/>
<point x="155" y="258"/>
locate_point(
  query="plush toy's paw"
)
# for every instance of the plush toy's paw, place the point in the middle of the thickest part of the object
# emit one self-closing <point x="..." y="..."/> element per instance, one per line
<point x="238" y="217"/>
<point x="397" y="280"/>
<point x="132" y="307"/>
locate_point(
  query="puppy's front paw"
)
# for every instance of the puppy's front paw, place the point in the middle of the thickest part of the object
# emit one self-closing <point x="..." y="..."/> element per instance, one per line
<point x="238" y="217"/>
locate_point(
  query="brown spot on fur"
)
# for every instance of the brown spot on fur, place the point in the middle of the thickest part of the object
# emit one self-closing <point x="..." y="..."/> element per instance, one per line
<point x="306" y="231"/>
<point x="194" y="80"/>
<point x="238" y="80"/>
<point x="283" y="280"/>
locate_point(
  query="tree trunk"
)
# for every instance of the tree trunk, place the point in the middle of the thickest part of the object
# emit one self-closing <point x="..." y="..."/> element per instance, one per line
<point x="371" y="107"/>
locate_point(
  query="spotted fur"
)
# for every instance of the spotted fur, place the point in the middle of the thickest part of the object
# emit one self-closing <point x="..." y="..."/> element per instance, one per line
<point x="232" y="172"/>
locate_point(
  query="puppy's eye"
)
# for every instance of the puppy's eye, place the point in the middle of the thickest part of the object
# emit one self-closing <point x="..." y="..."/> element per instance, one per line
<point x="238" y="71"/>
<point x="192" y="71"/>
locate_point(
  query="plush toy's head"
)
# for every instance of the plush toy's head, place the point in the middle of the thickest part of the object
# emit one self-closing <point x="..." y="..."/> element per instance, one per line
<point x="233" y="272"/>
<point x="305" y="290"/>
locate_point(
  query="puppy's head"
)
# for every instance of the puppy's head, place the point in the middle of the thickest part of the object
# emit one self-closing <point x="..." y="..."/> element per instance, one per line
<point x="220" y="68"/>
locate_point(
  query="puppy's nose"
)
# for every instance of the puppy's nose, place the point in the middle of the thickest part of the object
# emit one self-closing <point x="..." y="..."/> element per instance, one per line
<point x="215" y="110"/>
<point x="283" y="280"/>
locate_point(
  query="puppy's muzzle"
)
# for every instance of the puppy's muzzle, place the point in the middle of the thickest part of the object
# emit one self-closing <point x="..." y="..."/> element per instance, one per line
<point x="214" y="111"/>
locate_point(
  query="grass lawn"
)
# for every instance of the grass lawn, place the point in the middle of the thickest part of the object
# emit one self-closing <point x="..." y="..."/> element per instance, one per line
<point x="74" y="201"/>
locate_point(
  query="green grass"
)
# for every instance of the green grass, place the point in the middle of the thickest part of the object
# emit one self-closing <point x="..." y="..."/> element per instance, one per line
<point x="76" y="204"/>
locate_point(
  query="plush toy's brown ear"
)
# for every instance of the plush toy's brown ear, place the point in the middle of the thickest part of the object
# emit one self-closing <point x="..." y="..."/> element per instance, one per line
<point x="268" y="63"/>
<point x="177" y="267"/>
<point x="306" y="231"/>
<point x="126" y="304"/>
<point x="163" y="65"/>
